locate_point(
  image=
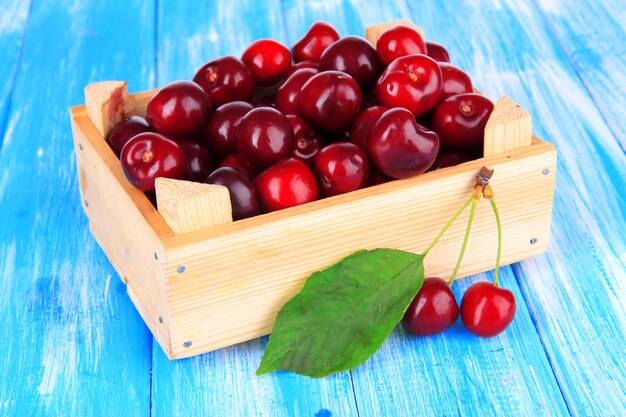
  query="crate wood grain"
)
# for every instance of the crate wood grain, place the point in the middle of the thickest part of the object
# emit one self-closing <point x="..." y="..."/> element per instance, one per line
<point x="217" y="286"/>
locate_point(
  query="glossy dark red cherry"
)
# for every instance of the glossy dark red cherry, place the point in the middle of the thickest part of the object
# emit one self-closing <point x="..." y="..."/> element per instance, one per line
<point x="267" y="60"/>
<point x="460" y="121"/>
<point x="412" y="82"/>
<point x="150" y="155"/>
<point x="200" y="162"/>
<point x="363" y="125"/>
<point x="399" y="41"/>
<point x="399" y="147"/>
<point x="264" y="137"/>
<point x="243" y="197"/>
<point x="487" y="310"/>
<point x="330" y="100"/>
<point x="455" y="81"/>
<point x="301" y="65"/>
<point x="354" y="56"/>
<point x="286" y="184"/>
<point x="307" y="142"/>
<point x="179" y="110"/>
<point x="225" y="79"/>
<point x="437" y="51"/>
<point x="449" y="159"/>
<point x="125" y="130"/>
<point x="313" y="44"/>
<point x="239" y="163"/>
<point x="222" y="128"/>
<point x="340" y="168"/>
<point x="287" y="97"/>
<point x="433" y="310"/>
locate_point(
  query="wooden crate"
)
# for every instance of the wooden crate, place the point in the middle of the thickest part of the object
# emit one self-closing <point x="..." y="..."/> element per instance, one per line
<point x="216" y="286"/>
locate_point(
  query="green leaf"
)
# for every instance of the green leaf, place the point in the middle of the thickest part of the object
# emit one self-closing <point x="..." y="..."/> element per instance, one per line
<point x="344" y="313"/>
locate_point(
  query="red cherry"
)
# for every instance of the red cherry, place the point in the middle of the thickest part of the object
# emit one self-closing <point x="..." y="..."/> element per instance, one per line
<point x="242" y="195"/>
<point x="239" y="163"/>
<point x="316" y="40"/>
<point x="286" y="184"/>
<point x="399" y="147"/>
<point x="340" y="168"/>
<point x="268" y="61"/>
<point x="448" y="159"/>
<point x="264" y="137"/>
<point x="437" y="52"/>
<point x="306" y="141"/>
<point x="486" y="310"/>
<point x="200" y="163"/>
<point x="300" y="65"/>
<point x="363" y="125"/>
<point x="288" y="95"/>
<point x="455" y="81"/>
<point x="179" y="110"/>
<point x="433" y="310"/>
<point x="220" y="133"/>
<point x="412" y="82"/>
<point x="460" y="121"/>
<point x="225" y="79"/>
<point x="150" y="155"/>
<point x="125" y="130"/>
<point x="265" y="102"/>
<point x="330" y="100"/>
<point x="354" y="56"/>
<point x="399" y="41"/>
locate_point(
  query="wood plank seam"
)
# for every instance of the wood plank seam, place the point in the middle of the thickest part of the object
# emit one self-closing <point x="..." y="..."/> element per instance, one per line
<point x="559" y="42"/>
<point x="4" y="118"/>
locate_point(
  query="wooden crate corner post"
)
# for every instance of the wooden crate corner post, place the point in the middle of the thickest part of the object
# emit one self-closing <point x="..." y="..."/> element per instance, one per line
<point x="189" y="206"/>
<point x="108" y="103"/>
<point x="509" y="128"/>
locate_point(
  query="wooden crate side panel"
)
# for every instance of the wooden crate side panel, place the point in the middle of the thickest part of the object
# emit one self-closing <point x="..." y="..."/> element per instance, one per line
<point x="122" y="231"/>
<point x="234" y="283"/>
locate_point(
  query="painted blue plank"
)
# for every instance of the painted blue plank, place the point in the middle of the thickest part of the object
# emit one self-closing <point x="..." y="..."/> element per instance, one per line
<point x="72" y="342"/>
<point x="596" y="48"/>
<point x="576" y="292"/>
<point x="13" y="23"/>
<point x="455" y="373"/>
<point x="224" y="382"/>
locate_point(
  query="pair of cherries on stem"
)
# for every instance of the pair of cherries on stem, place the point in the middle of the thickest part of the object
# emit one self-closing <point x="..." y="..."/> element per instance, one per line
<point x="486" y="309"/>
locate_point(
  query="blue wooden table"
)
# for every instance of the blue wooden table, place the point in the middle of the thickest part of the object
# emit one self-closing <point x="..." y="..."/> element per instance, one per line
<point x="71" y="342"/>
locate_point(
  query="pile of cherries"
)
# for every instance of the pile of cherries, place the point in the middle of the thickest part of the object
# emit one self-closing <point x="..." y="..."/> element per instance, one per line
<point x="281" y="128"/>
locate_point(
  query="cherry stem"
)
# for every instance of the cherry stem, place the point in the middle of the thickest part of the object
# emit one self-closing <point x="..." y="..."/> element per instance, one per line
<point x="495" y="211"/>
<point x="452" y="219"/>
<point x="465" y="239"/>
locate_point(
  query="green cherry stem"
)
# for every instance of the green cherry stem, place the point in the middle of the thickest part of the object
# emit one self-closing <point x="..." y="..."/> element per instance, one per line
<point x="495" y="211"/>
<point x="465" y="239"/>
<point x="452" y="219"/>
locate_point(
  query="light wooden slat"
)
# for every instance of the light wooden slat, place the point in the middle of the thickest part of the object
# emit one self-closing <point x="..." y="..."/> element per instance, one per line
<point x="274" y="253"/>
<point x="73" y="343"/>
<point x="223" y="382"/>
